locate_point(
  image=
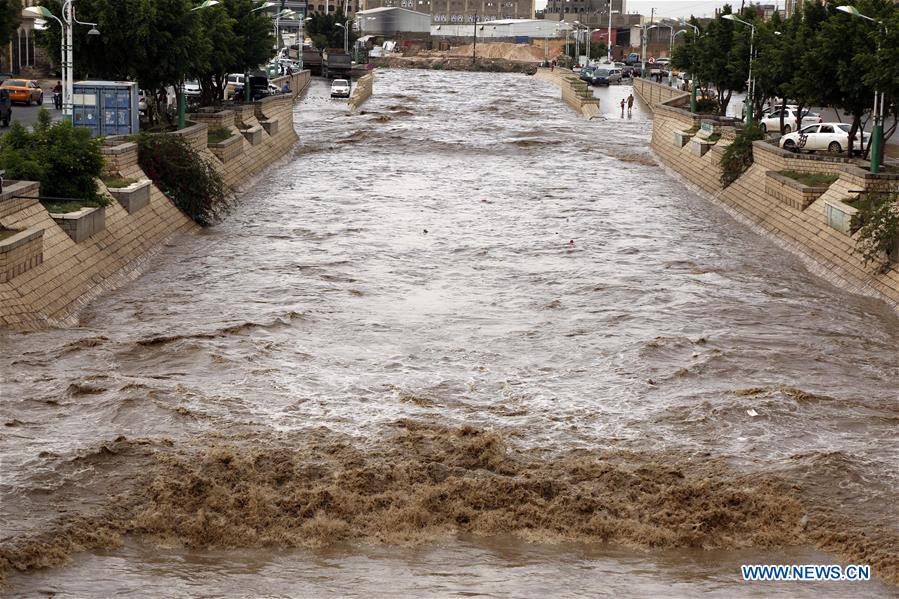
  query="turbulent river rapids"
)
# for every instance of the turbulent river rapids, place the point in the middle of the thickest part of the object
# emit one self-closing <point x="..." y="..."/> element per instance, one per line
<point x="459" y="342"/>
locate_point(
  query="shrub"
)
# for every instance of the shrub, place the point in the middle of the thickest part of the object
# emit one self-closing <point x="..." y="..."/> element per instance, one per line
<point x="738" y="155"/>
<point x="184" y="176"/>
<point x="706" y="106"/>
<point x="877" y="224"/>
<point x="64" y="159"/>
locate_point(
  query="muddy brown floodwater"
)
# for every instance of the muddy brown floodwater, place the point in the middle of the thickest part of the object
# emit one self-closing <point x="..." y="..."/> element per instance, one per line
<point x="461" y="342"/>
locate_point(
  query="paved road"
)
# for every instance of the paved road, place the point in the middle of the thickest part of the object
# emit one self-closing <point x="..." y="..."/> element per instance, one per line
<point x="27" y="115"/>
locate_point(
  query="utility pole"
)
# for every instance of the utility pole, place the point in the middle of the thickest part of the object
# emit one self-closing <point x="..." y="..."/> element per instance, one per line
<point x="474" y="48"/>
<point x="609" y="36"/>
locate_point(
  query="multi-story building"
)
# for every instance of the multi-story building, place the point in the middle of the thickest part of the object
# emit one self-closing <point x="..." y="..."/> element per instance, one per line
<point x="462" y="11"/>
<point x="590" y="12"/>
<point x="349" y="7"/>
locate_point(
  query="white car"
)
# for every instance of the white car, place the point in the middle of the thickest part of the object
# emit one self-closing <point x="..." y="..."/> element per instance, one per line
<point x="340" y="88"/>
<point x="191" y="88"/>
<point x="771" y="120"/>
<point x="828" y="137"/>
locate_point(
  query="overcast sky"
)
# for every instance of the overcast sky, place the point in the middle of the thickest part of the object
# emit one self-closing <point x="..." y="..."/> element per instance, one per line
<point x="676" y="8"/>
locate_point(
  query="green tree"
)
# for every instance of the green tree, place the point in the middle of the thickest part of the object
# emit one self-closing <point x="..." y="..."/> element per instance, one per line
<point x="323" y="30"/>
<point x="64" y="159"/>
<point x="10" y="17"/>
<point x="722" y="57"/>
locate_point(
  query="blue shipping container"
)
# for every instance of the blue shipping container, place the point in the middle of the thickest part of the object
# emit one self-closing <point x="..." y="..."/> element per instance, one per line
<point x="522" y="39"/>
<point x="106" y="107"/>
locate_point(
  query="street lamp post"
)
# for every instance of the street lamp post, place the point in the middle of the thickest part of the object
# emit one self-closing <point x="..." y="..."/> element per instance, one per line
<point x="284" y="13"/>
<point x="182" y="101"/>
<point x="577" y="42"/>
<point x="751" y="91"/>
<point x="877" y="130"/>
<point x="609" y="34"/>
<point x="671" y="50"/>
<point x="643" y="49"/>
<point x="346" y="34"/>
<point x="66" y="24"/>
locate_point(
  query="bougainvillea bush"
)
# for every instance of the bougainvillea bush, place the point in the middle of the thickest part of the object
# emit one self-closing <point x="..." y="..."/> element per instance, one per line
<point x="182" y="174"/>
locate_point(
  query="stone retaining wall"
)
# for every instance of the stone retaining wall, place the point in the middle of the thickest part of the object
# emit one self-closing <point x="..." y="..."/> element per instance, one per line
<point x="826" y="250"/>
<point x="656" y="93"/>
<point x="20" y="253"/>
<point x="362" y="91"/>
<point x="73" y="274"/>
<point x="575" y="93"/>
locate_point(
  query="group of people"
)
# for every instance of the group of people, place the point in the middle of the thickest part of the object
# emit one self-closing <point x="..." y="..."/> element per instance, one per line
<point x="630" y="104"/>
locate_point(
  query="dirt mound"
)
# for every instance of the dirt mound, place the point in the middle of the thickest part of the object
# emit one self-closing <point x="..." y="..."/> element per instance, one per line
<point x="504" y="50"/>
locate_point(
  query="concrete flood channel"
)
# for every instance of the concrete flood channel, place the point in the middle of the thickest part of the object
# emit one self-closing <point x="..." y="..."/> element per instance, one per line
<point x="460" y="341"/>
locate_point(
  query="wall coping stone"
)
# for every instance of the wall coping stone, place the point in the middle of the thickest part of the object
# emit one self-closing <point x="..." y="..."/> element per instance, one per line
<point x="13" y="187"/>
<point x="20" y="238"/>
<point x="117" y="148"/>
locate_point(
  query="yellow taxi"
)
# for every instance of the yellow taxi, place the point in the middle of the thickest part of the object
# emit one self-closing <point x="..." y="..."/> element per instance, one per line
<point x="24" y="91"/>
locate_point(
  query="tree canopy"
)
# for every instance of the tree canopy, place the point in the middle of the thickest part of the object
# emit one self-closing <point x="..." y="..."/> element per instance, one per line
<point x="818" y="57"/>
<point x="322" y="29"/>
<point x="161" y="43"/>
<point x="10" y="17"/>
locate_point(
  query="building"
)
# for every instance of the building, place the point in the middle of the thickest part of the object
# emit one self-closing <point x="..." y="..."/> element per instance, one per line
<point x="462" y="11"/>
<point x="505" y="29"/>
<point x="393" y="22"/>
<point x="593" y="13"/>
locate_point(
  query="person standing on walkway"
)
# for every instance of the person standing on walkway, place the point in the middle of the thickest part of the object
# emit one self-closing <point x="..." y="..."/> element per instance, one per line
<point x="57" y="95"/>
<point x="622" y="107"/>
<point x="630" y="103"/>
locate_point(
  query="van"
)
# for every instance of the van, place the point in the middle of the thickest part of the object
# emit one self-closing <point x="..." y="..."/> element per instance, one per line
<point x="232" y="82"/>
<point x="633" y="58"/>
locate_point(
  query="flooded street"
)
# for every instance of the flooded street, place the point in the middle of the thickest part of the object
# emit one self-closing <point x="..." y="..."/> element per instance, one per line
<point x="468" y="312"/>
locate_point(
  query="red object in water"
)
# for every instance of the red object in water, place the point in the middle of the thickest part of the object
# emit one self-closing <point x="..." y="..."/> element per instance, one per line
<point x="571" y="242"/>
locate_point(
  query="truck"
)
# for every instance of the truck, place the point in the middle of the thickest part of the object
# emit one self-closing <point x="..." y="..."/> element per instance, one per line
<point x="336" y="63"/>
<point x="312" y="59"/>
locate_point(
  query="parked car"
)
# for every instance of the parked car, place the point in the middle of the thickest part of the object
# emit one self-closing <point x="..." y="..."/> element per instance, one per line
<point x="5" y="107"/>
<point x="771" y="120"/>
<point x="630" y="71"/>
<point x="663" y="61"/>
<point x="830" y="137"/>
<point x="192" y="89"/>
<point x="586" y="74"/>
<point x="24" y="91"/>
<point x="259" y="85"/>
<point x="340" y="88"/>
<point x="605" y="76"/>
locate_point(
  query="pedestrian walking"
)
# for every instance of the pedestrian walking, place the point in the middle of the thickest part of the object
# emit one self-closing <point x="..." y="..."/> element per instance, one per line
<point x="285" y="89"/>
<point x="622" y="107"/>
<point x="630" y="103"/>
<point x="552" y="65"/>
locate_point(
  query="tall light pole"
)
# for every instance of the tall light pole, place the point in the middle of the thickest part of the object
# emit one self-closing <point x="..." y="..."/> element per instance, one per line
<point x="671" y="50"/>
<point x="609" y="34"/>
<point x="182" y="101"/>
<point x="751" y="86"/>
<point x="284" y="13"/>
<point x="643" y="50"/>
<point x="66" y="24"/>
<point x="577" y="42"/>
<point x="346" y="35"/>
<point x="877" y="130"/>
